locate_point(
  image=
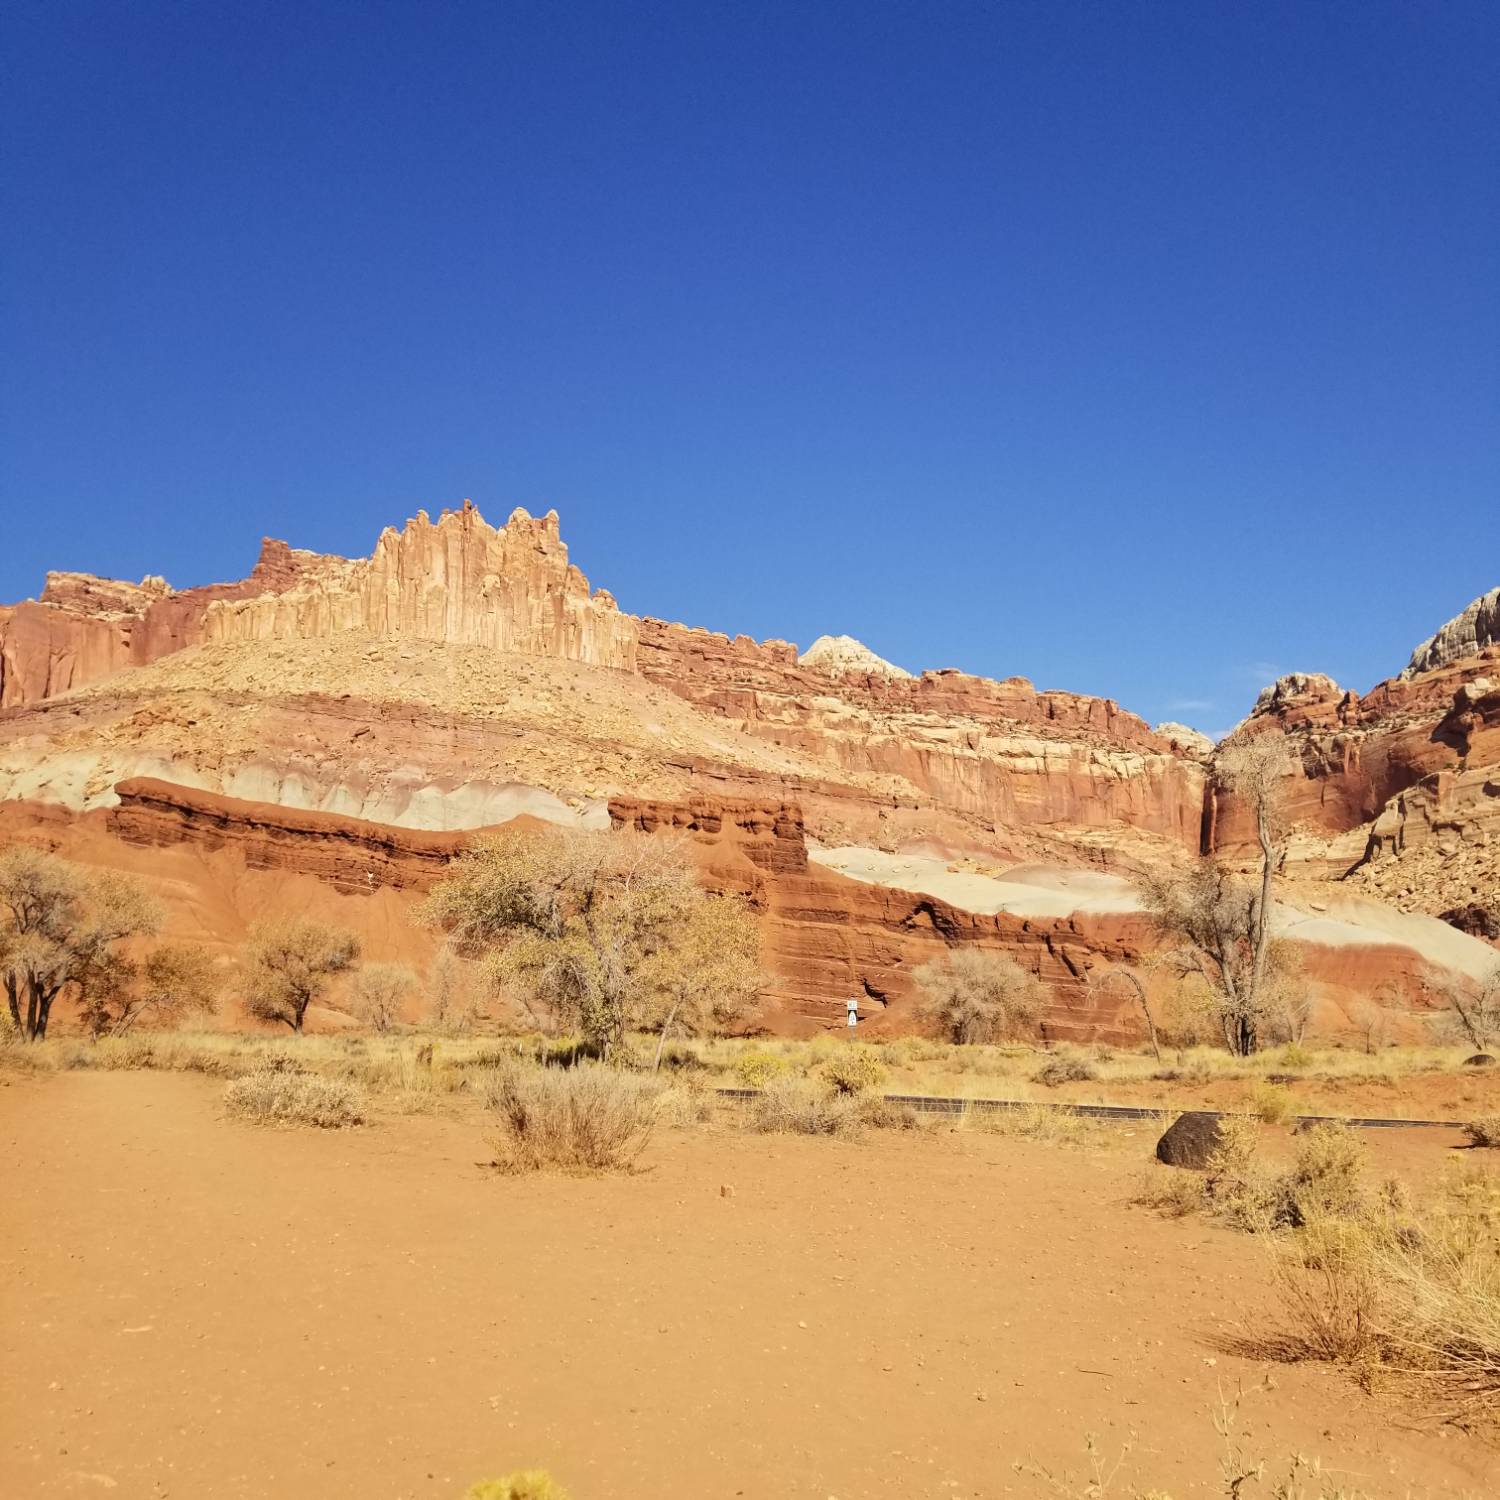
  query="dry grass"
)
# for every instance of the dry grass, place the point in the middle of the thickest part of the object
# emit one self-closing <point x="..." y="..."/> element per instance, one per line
<point x="1036" y="1122"/>
<point x="1241" y="1189"/>
<point x="798" y="1106"/>
<point x="1484" y="1132"/>
<point x="1399" y="1294"/>
<point x="275" y="1096"/>
<point x="584" y="1119"/>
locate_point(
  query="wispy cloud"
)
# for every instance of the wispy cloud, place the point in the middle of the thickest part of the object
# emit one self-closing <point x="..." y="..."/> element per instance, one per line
<point x="1264" y="673"/>
<point x="1190" y="705"/>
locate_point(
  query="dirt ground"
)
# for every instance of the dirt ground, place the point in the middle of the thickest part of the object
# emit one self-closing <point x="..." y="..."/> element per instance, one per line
<point x="191" y="1307"/>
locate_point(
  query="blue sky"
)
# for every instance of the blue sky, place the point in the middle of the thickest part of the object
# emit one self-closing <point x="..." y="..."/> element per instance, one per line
<point x="1140" y="349"/>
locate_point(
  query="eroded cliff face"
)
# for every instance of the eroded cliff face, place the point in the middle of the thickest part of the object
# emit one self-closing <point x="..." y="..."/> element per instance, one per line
<point x="1398" y="791"/>
<point x="872" y="755"/>
<point x="457" y="580"/>
<point x="222" y="862"/>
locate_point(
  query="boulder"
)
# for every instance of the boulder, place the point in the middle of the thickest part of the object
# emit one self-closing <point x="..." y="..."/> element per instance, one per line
<point x="1479" y="1060"/>
<point x="1190" y="1140"/>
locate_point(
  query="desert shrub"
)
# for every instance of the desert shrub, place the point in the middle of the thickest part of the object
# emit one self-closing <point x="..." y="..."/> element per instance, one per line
<point x="756" y="1069"/>
<point x="1239" y="1187"/>
<point x="1272" y="1103"/>
<point x="1484" y="1132"/>
<point x="1037" y="1122"/>
<point x="379" y="993"/>
<point x="1324" y="1178"/>
<point x="1295" y="1055"/>
<point x="1065" y="1067"/>
<point x="1172" y="1192"/>
<point x="584" y="1119"/>
<point x="853" y="1070"/>
<point x="798" y="1106"/>
<point x="275" y="1096"/>
<point x="530" y="1484"/>
<point x="973" y="996"/>
<point x="1413" y="1295"/>
<point x="1237" y="1184"/>
<point x="884" y="1114"/>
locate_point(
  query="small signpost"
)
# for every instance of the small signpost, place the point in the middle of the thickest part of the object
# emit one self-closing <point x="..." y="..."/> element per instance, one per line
<point x="853" y="1005"/>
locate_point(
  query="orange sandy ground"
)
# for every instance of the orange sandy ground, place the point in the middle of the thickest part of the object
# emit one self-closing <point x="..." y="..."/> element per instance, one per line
<point x="199" y="1308"/>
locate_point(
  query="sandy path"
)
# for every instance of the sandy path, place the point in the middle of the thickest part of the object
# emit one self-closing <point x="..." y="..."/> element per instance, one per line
<point x="202" y="1309"/>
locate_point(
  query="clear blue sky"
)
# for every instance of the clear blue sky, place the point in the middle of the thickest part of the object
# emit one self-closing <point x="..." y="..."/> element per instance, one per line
<point x="1140" y="349"/>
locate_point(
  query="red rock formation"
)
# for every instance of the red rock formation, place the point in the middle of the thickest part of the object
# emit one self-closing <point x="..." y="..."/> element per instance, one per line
<point x="1358" y="753"/>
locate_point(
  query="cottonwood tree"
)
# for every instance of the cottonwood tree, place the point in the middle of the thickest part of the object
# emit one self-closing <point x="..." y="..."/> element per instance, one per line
<point x="288" y="964"/>
<point x="168" y="984"/>
<point x="1137" y="988"/>
<point x="973" y="996"/>
<point x="379" y="993"/>
<point x="1475" y="1014"/>
<point x="59" y="926"/>
<point x="706" y="978"/>
<point x="600" y="933"/>
<point x="1224" y="923"/>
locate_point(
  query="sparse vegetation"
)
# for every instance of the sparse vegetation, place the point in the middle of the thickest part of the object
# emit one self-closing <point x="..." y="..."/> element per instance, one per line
<point x="755" y="1070"/>
<point x="1484" y="1132"/>
<point x="1474" y="1014"/>
<point x="1412" y="1296"/>
<point x="969" y="995"/>
<point x="380" y="992"/>
<point x="854" y="1070"/>
<point x="797" y="1106"/>
<point x="1243" y="1190"/>
<point x="584" y="1119"/>
<point x="171" y="982"/>
<point x="600" y="934"/>
<point x="1223" y="923"/>
<point x="529" y="1484"/>
<point x="60" y="928"/>
<point x="288" y="964"/>
<point x="279" y="1096"/>
<point x="1065" y="1066"/>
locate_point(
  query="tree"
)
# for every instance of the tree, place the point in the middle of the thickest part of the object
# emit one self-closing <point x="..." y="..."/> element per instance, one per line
<point x="379" y="993"/>
<point x="596" y="932"/>
<point x="288" y="964"/>
<point x="58" y="927"/>
<point x="1475" y="1014"/>
<point x="1223" y="922"/>
<point x="1137" y="987"/>
<point x="168" y="983"/>
<point x="974" y="996"/>
<point x="453" y="990"/>
<point x="709" y="974"/>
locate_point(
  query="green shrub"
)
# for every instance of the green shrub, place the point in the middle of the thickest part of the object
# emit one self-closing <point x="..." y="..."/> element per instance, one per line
<point x="587" y="1118"/>
<point x="756" y="1069"/>
<point x="273" y="1097"/>
<point x="853" y="1070"/>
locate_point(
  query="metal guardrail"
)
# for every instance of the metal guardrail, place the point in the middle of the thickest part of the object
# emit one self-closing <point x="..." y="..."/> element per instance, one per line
<point x="936" y="1104"/>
